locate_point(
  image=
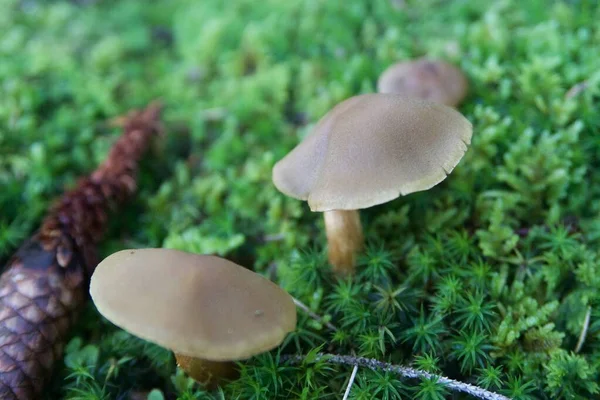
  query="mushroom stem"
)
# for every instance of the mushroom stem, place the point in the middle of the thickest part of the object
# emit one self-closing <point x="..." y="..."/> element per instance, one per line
<point x="208" y="373"/>
<point x="344" y="239"/>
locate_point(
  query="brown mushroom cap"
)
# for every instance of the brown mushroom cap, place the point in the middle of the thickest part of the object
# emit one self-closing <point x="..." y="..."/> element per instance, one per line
<point x="196" y="305"/>
<point x="433" y="80"/>
<point x="372" y="148"/>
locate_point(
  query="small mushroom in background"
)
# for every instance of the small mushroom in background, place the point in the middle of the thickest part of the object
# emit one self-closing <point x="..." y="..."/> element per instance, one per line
<point x="427" y="79"/>
<point x="207" y="310"/>
<point x="369" y="150"/>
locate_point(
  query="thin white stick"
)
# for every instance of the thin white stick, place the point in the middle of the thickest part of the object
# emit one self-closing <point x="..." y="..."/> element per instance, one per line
<point x="583" y="334"/>
<point x="274" y="238"/>
<point x="577" y="89"/>
<point x="350" y="382"/>
<point x="314" y="316"/>
<point x="406" y="372"/>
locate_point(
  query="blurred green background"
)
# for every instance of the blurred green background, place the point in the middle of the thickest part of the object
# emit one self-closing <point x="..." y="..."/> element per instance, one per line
<point x="487" y="278"/>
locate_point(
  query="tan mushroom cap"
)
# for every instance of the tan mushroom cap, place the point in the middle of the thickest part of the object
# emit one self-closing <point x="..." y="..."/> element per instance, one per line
<point x="372" y="148"/>
<point x="427" y="79"/>
<point x="195" y="305"/>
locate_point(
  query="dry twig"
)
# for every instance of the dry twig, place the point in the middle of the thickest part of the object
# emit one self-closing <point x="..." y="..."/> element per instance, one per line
<point x="406" y="372"/>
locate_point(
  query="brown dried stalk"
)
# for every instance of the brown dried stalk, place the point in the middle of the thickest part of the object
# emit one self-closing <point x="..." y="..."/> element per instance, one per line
<point x="45" y="283"/>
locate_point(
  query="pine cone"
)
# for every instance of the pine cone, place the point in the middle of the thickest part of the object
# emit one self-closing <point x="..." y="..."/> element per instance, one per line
<point x="45" y="283"/>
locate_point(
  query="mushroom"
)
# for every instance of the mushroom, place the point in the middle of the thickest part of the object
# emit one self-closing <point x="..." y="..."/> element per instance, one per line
<point x="369" y="150"/>
<point x="207" y="310"/>
<point x="427" y="79"/>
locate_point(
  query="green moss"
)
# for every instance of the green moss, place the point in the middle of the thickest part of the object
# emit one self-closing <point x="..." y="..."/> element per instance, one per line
<point x="486" y="278"/>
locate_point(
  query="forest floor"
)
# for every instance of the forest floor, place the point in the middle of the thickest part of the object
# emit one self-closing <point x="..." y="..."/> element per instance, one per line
<point x="491" y="278"/>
